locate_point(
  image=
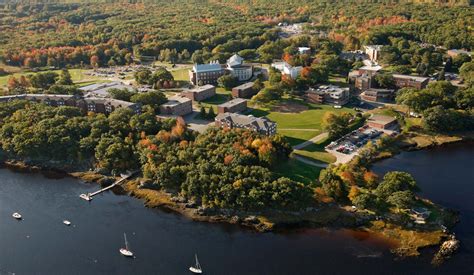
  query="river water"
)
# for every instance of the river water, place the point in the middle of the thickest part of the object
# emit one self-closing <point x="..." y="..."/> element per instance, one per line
<point x="165" y="243"/>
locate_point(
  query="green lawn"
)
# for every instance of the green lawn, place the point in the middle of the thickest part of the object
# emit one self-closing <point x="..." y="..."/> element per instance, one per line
<point x="295" y="137"/>
<point x="310" y="119"/>
<point x="315" y="151"/>
<point x="298" y="171"/>
<point x="181" y="74"/>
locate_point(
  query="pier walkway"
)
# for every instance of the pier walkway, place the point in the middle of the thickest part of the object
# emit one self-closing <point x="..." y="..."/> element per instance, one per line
<point x="89" y="196"/>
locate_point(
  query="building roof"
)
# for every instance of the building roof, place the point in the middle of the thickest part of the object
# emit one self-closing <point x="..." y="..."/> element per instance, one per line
<point x="175" y="100"/>
<point x="375" y="68"/>
<point x="235" y="60"/>
<point x="101" y="89"/>
<point x="411" y="77"/>
<point x="373" y="47"/>
<point x="212" y="66"/>
<point x="259" y="123"/>
<point x="199" y="89"/>
<point x="324" y="89"/>
<point x="381" y="119"/>
<point x="232" y="102"/>
<point x="244" y="86"/>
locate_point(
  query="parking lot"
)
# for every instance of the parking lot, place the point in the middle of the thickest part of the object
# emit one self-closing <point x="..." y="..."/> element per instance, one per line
<point x="346" y="147"/>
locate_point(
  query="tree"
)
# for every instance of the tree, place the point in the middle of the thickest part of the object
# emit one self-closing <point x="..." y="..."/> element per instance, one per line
<point x="466" y="72"/>
<point x="384" y="80"/>
<point x="211" y="114"/>
<point x="142" y="76"/>
<point x="202" y="112"/>
<point x="336" y="124"/>
<point x="120" y="94"/>
<point x="402" y="199"/>
<point x="43" y="80"/>
<point x="395" y="181"/>
<point x="332" y="185"/>
<point x="227" y="81"/>
<point x="65" y="78"/>
<point x="152" y="98"/>
<point x="161" y="76"/>
<point x="268" y="94"/>
<point x="63" y="90"/>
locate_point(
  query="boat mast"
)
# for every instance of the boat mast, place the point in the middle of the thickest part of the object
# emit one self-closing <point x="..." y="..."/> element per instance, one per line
<point x="198" y="266"/>
<point x="126" y="243"/>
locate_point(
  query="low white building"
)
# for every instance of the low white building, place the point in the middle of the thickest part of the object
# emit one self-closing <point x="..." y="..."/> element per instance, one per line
<point x="287" y="69"/>
<point x="304" y="50"/>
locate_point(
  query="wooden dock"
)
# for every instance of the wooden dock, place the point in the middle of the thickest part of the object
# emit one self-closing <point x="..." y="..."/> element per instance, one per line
<point x="89" y="196"/>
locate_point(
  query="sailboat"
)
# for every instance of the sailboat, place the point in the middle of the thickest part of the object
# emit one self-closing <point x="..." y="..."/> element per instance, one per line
<point x="125" y="251"/>
<point x="197" y="268"/>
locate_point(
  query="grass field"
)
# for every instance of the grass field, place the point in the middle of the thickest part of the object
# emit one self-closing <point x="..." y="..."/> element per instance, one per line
<point x="181" y="74"/>
<point x="298" y="171"/>
<point x="315" y="151"/>
<point x="295" y="125"/>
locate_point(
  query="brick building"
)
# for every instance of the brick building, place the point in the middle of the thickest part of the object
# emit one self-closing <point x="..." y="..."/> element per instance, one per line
<point x="200" y="93"/>
<point x="410" y="81"/>
<point x="245" y="90"/>
<point x="233" y="106"/>
<point x="178" y="106"/>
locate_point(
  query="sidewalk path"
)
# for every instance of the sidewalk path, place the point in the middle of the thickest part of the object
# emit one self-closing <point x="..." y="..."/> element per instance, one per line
<point x="315" y="139"/>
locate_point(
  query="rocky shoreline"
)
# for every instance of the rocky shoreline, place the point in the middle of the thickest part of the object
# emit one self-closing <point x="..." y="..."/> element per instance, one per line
<point x="327" y="216"/>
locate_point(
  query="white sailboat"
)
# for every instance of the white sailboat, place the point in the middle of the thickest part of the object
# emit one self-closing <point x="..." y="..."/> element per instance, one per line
<point x="16" y="216"/>
<point x="197" y="268"/>
<point x="126" y="251"/>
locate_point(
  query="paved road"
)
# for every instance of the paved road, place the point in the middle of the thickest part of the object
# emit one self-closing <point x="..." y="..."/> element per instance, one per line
<point x="313" y="140"/>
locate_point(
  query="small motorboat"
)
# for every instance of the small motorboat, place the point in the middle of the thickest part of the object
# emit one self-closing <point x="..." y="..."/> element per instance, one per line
<point x="16" y="216"/>
<point x="66" y="222"/>
<point x="197" y="268"/>
<point x="126" y="251"/>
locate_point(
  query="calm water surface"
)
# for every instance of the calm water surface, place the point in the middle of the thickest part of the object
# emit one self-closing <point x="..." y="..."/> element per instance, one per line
<point x="165" y="243"/>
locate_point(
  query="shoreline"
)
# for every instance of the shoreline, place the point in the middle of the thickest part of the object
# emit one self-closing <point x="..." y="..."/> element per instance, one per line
<point x="406" y="242"/>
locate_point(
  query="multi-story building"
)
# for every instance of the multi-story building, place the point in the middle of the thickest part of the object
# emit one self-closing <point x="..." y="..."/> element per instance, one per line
<point x="378" y="95"/>
<point x="202" y="74"/>
<point x="417" y="82"/>
<point x="200" y="93"/>
<point x="287" y="69"/>
<point x="86" y="104"/>
<point x="233" y="106"/>
<point x="328" y="94"/>
<point x="373" y="51"/>
<point x="178" y="106"/>
<point x="237" y="68"/>
<point x="245" y="90"/>
<point x="261" y="125"/>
